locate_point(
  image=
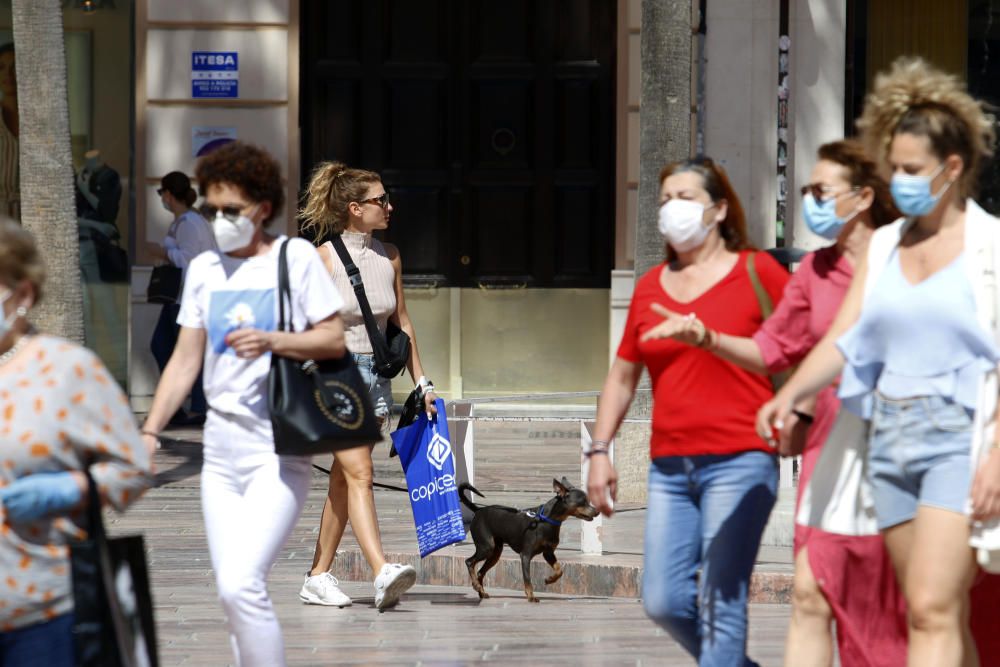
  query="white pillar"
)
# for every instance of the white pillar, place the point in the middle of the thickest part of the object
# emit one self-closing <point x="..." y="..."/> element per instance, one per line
<point x="818" y="57"/>
<point x="741" y="107"/>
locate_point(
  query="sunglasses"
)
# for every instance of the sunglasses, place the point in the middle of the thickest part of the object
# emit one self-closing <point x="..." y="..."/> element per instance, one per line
<point x="230" y="213"/>
<point x="382" y="200"/>
<point x="821" y="192"/>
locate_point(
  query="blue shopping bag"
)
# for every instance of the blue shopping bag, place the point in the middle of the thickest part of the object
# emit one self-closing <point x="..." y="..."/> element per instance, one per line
<point x="424" y="449"/>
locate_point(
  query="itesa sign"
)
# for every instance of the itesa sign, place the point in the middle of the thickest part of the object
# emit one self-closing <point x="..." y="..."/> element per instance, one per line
<point x="215" y="74"/>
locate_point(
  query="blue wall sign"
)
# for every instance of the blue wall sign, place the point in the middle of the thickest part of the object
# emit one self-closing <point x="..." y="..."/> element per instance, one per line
<point x="215" y="74"/>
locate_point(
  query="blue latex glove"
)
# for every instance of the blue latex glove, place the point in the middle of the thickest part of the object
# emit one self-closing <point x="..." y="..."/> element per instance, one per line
<point x="32" y="497"/>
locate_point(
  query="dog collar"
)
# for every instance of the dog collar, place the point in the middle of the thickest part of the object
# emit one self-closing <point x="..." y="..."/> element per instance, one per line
<point x="540" y="515"/>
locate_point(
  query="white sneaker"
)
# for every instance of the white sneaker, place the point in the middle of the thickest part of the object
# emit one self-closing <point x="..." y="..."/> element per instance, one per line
<point x="323" y="589"/>
<point x="392" y="581"/>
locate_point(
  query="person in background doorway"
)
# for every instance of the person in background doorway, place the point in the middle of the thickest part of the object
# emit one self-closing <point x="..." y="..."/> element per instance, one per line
<point x="189" y="235"/>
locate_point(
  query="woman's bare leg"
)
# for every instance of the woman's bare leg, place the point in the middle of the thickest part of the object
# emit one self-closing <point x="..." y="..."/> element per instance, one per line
<point x="809" y="642"/>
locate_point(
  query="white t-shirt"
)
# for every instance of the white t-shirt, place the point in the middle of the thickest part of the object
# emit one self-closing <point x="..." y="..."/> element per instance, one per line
<point x="223" y="293"/>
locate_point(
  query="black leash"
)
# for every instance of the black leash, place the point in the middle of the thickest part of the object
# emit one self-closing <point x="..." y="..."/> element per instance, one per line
<point x="390" y="487"/>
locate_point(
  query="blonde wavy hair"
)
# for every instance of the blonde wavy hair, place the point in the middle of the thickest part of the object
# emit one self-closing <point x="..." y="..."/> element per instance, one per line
<point x="332" y="187"/>
<point x="914" y="97"/>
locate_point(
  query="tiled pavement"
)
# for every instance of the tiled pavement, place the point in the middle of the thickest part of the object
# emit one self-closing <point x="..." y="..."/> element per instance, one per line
<point x="435" y="624"/>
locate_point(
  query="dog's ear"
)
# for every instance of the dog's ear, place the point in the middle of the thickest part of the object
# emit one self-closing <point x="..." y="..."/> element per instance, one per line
<point x="560" y="488"/>
<point x="568" y="484"/>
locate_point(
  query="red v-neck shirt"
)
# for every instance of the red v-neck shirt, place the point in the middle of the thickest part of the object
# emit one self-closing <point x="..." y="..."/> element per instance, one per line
<point x="701" y="403"/>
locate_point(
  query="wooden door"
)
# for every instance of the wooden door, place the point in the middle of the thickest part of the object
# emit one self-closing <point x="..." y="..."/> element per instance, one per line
<point x="491" y="122"/>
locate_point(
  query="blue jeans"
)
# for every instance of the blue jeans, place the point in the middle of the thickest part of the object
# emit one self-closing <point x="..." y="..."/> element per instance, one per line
<point x="49" y="643"/>
<point x="706" y="513"/>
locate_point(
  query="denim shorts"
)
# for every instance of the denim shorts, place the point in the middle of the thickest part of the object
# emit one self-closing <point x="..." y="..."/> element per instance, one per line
<point x="919" y="455"/>
<point x="379" y="388"/>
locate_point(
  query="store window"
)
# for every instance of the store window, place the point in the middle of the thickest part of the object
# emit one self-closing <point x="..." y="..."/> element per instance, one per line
<point x="99" y="92"/>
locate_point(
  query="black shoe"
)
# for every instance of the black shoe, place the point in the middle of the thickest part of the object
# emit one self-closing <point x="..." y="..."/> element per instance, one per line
<point x="184" y="418"/>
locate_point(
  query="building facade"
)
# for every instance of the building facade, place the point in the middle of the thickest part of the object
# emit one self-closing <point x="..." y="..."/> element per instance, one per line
<point x="508" y="135"/>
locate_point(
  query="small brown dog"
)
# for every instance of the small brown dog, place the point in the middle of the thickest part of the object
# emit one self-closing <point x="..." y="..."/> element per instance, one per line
<point x="528" y="532"/>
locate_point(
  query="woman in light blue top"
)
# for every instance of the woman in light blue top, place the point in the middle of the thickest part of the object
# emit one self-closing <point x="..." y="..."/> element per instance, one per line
<point x="918" y="334"/>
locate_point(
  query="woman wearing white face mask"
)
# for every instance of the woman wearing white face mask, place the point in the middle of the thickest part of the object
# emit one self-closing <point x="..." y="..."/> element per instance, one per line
<point x="712" y="481"/>
<point x="189" y="235"/>
<point x="842" y="577"/>
<point x="915" y="338"/>
<point x="251" y="497"/>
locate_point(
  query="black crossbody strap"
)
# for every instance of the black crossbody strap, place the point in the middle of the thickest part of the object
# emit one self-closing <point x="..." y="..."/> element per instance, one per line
<point x="354" y="275"/>
<point x="284" y="289"/>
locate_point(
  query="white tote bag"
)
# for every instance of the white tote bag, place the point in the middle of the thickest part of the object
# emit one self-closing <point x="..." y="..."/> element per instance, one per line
<point x="838" y="497"/>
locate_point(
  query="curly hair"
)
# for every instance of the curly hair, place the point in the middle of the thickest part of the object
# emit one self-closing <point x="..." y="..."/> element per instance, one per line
<point x="716" y="183"/>
<point x="250" y="168"/>
<point x="914" y="97"/>
<point x="332" y="187"/>
<point x="862" y="173"/>
<point x="19" y="258"/>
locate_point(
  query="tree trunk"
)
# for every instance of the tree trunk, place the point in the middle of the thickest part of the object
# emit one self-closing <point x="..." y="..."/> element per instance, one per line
<point x="47" y="204"/>
<point x="665" y="114"/>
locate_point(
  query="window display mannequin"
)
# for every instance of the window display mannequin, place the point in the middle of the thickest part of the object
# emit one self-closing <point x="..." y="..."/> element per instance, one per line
<point x="10" y="181"/>
<point x="98" y="190"/>
<point x="98" y="195"/>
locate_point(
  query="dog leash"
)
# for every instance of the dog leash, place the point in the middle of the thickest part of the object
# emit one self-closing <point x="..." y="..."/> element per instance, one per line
<point x="390" y="487"/>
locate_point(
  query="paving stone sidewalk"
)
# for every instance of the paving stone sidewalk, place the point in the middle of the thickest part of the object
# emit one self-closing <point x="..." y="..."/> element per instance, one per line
<point x="434" y="625"/>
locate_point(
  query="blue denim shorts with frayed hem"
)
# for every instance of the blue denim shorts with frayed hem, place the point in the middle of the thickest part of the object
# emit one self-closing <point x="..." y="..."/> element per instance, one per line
<point x="379" y="388"/>
<point x="919" y="455"/>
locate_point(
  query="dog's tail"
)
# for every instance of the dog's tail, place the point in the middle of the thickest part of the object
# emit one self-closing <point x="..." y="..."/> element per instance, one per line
<point x="462" y="488"/>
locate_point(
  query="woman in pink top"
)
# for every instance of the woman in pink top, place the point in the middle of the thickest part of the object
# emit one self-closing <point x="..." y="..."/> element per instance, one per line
<point x="840" y="577"/>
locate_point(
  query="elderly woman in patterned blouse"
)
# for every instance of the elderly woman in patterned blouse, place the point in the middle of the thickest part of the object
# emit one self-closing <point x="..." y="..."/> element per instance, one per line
<point x="60" y="412"/>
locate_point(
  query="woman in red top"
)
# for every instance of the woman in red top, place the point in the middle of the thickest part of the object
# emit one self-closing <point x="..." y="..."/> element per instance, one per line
<point x="712" y="481"/>
<point x="846" y="577"/>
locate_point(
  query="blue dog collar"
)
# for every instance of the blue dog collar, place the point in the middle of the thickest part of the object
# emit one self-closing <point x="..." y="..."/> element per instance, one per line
<point x="540" y="515"/>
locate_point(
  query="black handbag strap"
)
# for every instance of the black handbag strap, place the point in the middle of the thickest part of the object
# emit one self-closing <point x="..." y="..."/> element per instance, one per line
<point x="96" y="533"/>
<point x="354" y="275"/>
<point x="284" y="289"/>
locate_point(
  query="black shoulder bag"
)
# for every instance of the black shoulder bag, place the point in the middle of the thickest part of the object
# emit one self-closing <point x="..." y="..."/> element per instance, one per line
<point x="112" y="604"/>
<point x="392" y="350"/>
<point x="316" y="407"/>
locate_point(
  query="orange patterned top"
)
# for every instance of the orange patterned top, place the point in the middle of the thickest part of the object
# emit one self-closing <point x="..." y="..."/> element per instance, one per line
<point x="58" y="408"/>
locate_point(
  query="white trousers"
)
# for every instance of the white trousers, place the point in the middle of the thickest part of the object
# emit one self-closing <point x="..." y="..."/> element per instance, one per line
<point x="251" y="499"/>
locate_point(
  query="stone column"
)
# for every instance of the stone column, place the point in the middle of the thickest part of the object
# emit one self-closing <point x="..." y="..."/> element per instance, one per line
<point x="665" y="118"/>
<point x="665" y="135"/>
<point x="818" y="54"/>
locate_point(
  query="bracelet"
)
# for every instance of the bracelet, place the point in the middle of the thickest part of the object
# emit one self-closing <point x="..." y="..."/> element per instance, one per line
<point x="804" y="416"/>
<point x="597" y="447"/>
<point x="144" y="432"/>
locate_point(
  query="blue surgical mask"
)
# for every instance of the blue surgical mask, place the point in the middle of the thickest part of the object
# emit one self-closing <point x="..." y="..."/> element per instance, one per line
<point x="912" y="194"/>
<point x="821" y="216"/>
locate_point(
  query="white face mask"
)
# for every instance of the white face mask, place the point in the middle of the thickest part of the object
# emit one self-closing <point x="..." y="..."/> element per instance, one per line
<point x="681" y="224"/>
<point x="166" y="205"/>
<point x="232" y="235"/>
<point x="7" y="324"/>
